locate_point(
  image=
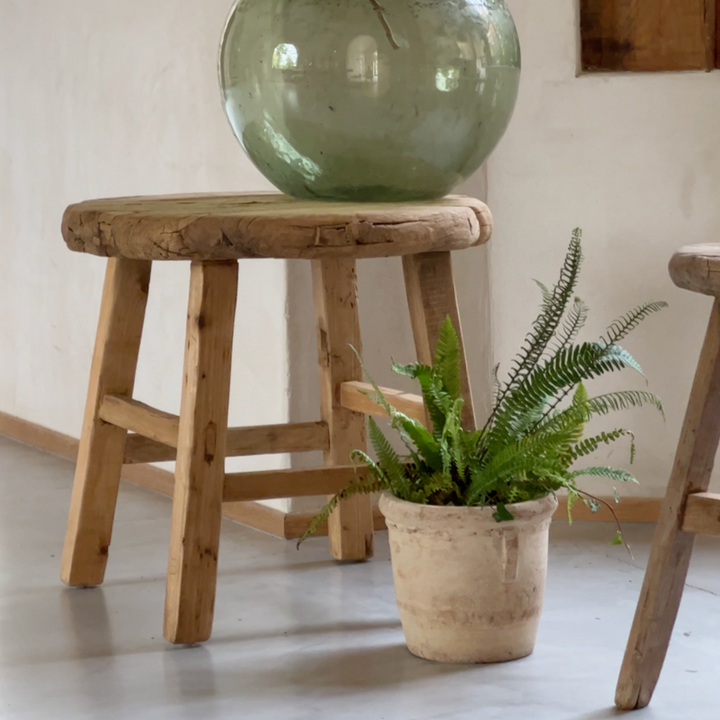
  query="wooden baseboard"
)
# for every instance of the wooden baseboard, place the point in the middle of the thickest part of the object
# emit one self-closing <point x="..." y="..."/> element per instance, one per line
<point x="38" y="436"/>
<point x="276" y="522"/>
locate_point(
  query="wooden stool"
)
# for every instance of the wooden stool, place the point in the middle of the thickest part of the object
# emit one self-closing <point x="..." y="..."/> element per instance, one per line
<point x="214" y="232"/>
<point x="688" y="508"/>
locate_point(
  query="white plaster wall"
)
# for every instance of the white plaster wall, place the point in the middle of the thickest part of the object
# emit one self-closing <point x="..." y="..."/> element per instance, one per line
<point x="113" y="97"/>
<point x="103" y="98"/>
<point x="635" y="161"/>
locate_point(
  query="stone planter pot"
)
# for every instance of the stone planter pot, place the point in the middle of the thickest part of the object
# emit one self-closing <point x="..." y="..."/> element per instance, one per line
<point x="469" y="589"/>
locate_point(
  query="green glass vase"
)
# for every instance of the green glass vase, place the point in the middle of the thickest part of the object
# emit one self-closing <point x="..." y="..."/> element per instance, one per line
<point x="369" y="100"/>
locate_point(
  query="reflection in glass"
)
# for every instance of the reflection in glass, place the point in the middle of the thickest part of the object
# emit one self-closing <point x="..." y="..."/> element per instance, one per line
<point x="285" y="57"/>
<point x="362" y="60"/>
<point x="447" y="79"/>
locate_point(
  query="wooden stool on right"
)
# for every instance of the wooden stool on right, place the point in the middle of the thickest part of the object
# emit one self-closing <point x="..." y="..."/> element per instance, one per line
<point x="688" y="508"/>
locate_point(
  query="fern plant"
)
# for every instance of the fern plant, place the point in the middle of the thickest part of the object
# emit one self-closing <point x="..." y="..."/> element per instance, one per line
<point x="536" y="433"/>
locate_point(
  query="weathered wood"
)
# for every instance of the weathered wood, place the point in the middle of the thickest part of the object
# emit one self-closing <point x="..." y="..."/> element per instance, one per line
<point x="702" y="514"/>
<point x="338" y="325"/>
<point x="100" y="456"/>
<point x="241" y="441"/>
<point x="140" y="450"/>
<point x="672" y="547"/>
<point x="431" y="296"/>
<point x="647" y="35"/>
<point x="712" y="51"/>
<point x="141" y="418"/>
<point x="354" y="396"/>
<point x="225" y="227"/>
<point x="200" y="472"/>
<point x="697" y="268"/>
<point x="716" y="39"/>
<point x="272" y="484"/>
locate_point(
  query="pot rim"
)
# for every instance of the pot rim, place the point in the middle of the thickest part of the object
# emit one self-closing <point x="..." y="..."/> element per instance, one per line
<point x="397" y="510"/>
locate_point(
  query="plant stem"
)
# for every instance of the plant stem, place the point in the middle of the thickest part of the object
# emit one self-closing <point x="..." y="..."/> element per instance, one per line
<point x="380" y="10"/>
<point x="614" y="514"/>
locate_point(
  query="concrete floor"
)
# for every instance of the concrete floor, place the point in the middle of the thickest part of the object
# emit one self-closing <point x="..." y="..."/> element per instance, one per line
<point x="299" y="637"/>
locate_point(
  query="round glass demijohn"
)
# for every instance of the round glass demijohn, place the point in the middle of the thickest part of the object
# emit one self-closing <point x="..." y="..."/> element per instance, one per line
<point x="369" y="100"/>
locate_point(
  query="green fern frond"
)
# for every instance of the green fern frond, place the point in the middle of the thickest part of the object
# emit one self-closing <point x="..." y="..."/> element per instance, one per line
<point x="572" y="497"/>
<point x="601" y="405"/>
<point x="538" y="456"/>
<point x="361" y="487"/>
<point x="615" y="352"/>
<point x="547" y="294"/>
<point x="388" y="459"/>
<point x="551" y="314"/>
<point x="532" y="437"/>
<point x="572" y="324"/>
<point x="614" y="474"/>
<point x="557" y="376"/>
<point x="378" y="398"/>
<point x="448" y="358"/>
<point x="623" y="325"/>
<point x="624" y="400"/>
<point x="496" y="386"/>
<point x="457" y="452"/>
<point x="428" y="380"/>
<point x="581" y="396"/>
<point x="432" y="486"/>
<point x="428" y="448"/>
<point x="591" y="444"/>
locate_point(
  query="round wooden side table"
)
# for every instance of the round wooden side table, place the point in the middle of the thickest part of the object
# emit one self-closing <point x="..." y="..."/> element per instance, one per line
<point x="213" y="232"/>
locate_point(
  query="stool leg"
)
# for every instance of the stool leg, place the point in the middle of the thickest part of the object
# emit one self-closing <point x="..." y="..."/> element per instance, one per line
<point x="102" y="446"/>
<point x="670" y="556"/>
<point x="431" y="296"/>
<point x="200" y="470"/>
<point x="335" y="293"/>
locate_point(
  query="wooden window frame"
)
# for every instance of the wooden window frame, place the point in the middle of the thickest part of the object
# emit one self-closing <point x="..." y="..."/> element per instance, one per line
<point x="649" y="35"/>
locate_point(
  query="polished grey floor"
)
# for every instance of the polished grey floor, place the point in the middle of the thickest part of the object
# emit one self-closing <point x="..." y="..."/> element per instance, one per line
<point x="299" y="637"/>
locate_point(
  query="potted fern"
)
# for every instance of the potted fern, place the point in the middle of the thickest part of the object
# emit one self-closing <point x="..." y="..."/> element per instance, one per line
<point x="468" y="510"/>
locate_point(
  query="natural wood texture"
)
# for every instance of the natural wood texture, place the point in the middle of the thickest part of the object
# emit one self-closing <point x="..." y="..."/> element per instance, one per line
<point x="716" y="38"/>
<point x="338" y="327"/>
<point x="712" y="50"/>
<point x="354" y="396"/>
<point x="140" y="450"/>
<point x="672" y="548"/>
<point x="225" y="227"/>
<point x="273" y="484"/>
<point x="648" y="35"/>
<point x="697" y="268"/>
<point x="141" y="418"/>
<point x="702" y="514"/>
<point x="431" y="297"/>
<point x="37" y="436"/>
<point x="257" y="516"/>
<point x="150" y="477"/>
<point x="102" y="446"/>
<point x="274" y="439"/>
<point x="200" y="472"/>
<point x="241" y="441"/>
